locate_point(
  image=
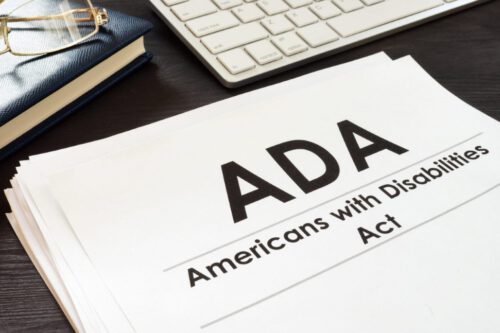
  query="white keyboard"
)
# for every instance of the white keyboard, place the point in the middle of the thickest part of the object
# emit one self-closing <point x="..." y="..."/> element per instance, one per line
<point x="244" y="40"/>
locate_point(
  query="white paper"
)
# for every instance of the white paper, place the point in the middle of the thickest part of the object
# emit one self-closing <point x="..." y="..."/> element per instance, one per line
<point x="59" y="244"/>
<point x="141" y="212"/>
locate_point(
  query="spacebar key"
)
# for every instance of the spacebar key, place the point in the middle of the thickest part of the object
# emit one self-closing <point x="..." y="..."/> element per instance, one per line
<point x="379" y="14"/>
<point x="234" y="37"/>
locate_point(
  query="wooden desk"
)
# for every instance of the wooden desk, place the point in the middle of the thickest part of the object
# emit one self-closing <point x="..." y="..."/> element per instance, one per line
<point x="461" y="51"/>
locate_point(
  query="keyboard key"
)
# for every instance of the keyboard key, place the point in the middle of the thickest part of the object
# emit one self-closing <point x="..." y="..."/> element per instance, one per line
<point x="248" y="13"/>
<point x="234" y="37"/>
<point x="236" y="61"/>
<point x="277" y="24"/>
<point x="301" y="17"/>
<point x="374" y="16"/>
<point x="193" y="9"/>
<point x="263" y="52"/>
<point x="212" y="23"/>
<point x="348" y="5"/>
<point x="317" y="34"/>
<point x="372" y="2"/>
<point x="298" y="3"/>
<point x="172" y="2"/>
<point x="325" y="9"/>
<point x="272" y="7"/>
<point x="226" y="4"/>
<point x="289" y="43"/>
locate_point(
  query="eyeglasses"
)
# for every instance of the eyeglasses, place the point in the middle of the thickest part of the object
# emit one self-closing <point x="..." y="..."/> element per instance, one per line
<point x="37" y="27"/>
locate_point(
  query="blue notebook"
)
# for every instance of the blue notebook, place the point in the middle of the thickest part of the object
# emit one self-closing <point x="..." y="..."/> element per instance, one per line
<point x="38" y="92"/>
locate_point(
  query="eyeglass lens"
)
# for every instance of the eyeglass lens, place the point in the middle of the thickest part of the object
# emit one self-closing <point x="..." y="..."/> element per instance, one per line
<point x="51" y="25"/>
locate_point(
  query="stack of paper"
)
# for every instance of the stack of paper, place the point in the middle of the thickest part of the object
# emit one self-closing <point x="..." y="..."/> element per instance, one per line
<point x="362" y="198"/>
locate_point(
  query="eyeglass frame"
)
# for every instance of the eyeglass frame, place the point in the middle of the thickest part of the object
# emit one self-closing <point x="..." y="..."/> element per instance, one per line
<point x="98" y="15"/>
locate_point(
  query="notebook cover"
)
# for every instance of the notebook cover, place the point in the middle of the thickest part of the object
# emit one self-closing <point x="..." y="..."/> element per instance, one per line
<point x="68" y="110"/>
<point x="25" y="81"/>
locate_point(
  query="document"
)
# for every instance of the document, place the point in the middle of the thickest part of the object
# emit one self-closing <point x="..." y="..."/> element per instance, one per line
<point x="362" y="203"/>
<point x="355" y="199"/>
<point x="52" y="244"/>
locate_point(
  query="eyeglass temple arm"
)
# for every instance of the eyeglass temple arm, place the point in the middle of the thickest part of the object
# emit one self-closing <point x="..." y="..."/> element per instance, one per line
<point x="2" y="35"/>
<point x="90" y="18"/>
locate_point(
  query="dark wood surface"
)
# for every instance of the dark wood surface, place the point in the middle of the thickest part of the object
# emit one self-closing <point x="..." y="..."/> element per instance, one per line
<point x="461" y="51"/>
